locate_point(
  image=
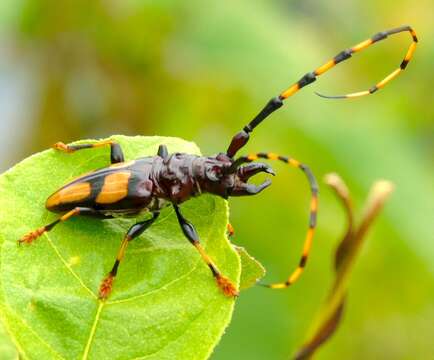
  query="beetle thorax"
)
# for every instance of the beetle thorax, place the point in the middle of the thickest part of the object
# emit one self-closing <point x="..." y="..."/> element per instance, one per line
<point x="183" y="176"/>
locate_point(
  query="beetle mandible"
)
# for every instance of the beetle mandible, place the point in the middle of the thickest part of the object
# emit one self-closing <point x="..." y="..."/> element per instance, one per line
<point x="126" y="188"/>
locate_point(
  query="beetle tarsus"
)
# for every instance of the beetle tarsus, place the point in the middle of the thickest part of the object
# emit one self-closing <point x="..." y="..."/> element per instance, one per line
<point x="106" y="287"/>
<point x="227" y="286"/>
<point x="230" y="229"/>
<point x="62" y="147"/>
<point x="31" y="236"/>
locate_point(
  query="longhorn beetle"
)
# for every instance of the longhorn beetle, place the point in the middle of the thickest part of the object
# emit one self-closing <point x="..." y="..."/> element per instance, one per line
<point x="153" y="182"/>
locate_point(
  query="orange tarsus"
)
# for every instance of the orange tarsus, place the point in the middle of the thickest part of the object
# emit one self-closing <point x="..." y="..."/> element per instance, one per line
<point x="230" y="229"/>
<point x="31" y="236"/>
<point x="62" y="147"/>
<point x="227" y="286"/>
<point x="106" y="287"/>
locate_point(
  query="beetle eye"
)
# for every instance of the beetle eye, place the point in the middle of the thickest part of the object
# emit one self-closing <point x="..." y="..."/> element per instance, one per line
<point x="214" y="173"/>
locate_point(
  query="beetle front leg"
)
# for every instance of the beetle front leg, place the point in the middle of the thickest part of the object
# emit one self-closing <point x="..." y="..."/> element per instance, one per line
<point x="190" y="233"/>
<point x="116" y="154"/>
<point x="134" y="231"/>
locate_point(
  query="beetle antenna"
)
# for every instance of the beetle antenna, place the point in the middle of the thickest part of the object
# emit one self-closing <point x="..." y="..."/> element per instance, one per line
<point x="241" y="138"/>
<point x="293" y="277"/>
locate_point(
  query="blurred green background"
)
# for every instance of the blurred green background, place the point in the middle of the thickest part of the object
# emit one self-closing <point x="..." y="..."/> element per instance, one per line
<point x="199" y="70"/>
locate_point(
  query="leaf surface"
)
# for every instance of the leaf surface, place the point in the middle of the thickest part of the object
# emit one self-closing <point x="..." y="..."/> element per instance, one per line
<point x="165" y="303"/>
<point x="7" y="348"/>
<point x="252" y="269"/>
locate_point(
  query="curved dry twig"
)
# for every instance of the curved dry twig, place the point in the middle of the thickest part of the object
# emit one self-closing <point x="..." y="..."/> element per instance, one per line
<point x="331" y="312"/>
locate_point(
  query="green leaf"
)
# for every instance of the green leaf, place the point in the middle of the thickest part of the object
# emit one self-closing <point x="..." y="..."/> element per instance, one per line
<point x="7" y="348"/>
<point x="165" y="303"/>
<point x="252" y="269"/>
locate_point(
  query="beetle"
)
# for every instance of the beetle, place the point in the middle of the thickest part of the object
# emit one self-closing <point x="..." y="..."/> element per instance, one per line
<point x="126" y="188"/>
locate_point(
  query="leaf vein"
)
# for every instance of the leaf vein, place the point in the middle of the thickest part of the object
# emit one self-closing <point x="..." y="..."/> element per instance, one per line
<point x="170" y="283"/>
<point x="69" y="267"/>
<point x="92" y="331"/>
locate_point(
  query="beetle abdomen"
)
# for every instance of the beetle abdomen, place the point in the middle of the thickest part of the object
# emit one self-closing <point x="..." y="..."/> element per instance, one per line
<point x="124" y="186"/>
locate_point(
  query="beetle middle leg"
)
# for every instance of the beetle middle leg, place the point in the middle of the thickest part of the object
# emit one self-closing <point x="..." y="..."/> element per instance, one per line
<point x="116" y="154"/>
<point x="134" y="231"/>
<point x="190" y="233"/>
<point x="33" y="235"/>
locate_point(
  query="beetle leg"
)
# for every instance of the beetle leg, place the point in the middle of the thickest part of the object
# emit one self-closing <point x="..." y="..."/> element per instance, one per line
<point x="134" y="231"/>
<point x="116" y="154"/>
<point x="162" y="151"/>
<point x="230" y="229"/>
<point x="190" y="233"/>
<point x="33" y="235"/>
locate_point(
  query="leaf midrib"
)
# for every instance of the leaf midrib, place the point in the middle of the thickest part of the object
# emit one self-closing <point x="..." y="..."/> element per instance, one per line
<point x="93" y="330"/>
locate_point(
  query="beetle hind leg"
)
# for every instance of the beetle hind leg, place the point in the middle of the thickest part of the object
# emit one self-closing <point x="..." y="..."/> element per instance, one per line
<point x="116" y="154"/>
<point x="33" y="235"/>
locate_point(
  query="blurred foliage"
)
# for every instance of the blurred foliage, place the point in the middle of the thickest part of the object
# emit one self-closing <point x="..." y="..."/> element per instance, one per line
<point x="200" y="71"/>
<point x="331" y="312"/>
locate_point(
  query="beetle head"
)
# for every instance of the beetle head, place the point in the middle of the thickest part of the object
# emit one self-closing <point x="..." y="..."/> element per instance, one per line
<point x="225" y="177"/>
